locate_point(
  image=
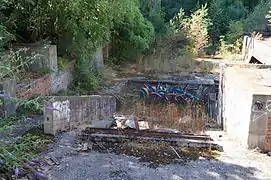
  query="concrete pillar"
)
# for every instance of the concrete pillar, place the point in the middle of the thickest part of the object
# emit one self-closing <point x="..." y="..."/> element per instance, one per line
<point x="245" y="44"/>
<point x="7" y="107"/>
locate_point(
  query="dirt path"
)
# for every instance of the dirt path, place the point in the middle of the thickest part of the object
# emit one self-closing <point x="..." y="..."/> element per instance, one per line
<point x="235" y="163"/>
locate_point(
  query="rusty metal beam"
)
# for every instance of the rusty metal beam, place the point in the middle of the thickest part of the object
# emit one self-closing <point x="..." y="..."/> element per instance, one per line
<point x="145" y="133"/>
<point x="118" y="136"/>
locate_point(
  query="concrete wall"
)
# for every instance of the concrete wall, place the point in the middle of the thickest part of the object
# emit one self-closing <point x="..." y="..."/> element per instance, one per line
<point x="47" y="56"/>
<point x="55" y="81"/>
<point x="239" y="91"/>
<point x="260" y="127"/>
<point x="237" y="106"/>
<point x="61" y="80"/>
<point x="259" y="49"/>
<point x="7" y="87"/>
<point x="68" y="112"/>
<point x="98" y="60"/>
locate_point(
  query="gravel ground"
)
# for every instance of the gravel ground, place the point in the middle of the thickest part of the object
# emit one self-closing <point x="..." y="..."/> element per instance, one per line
<point x="235" y="163"/>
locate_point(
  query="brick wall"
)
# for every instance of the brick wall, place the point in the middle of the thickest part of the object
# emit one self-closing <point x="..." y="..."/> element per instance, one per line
<point x="41" y="86"/>
<point x="268" y="136"/>
<point x="48" y="84"/>
<point x="68" y="112"/>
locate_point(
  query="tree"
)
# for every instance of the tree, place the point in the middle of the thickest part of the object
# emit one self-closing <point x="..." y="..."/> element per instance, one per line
<point x="222" y="13"/>
<point x="195" y="27"/>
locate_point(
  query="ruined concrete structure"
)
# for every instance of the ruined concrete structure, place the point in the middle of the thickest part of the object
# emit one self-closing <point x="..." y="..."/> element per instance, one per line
<point x="245" y="101"/>
<point x="64" y="113"/>
<point x="257" y="51"/>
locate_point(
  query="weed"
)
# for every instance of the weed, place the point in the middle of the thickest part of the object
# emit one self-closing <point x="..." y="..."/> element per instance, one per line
<point x="62" y="63"/>
<point x="18" y="155"/>
<point x="44" y="71"/>
<point x="34" y="106"/>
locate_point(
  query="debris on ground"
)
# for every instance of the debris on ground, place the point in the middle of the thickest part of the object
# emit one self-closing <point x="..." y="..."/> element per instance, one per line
<point x="124" y="122"/>
<point x="155" y="154"/>
<point x="155" y="148"/>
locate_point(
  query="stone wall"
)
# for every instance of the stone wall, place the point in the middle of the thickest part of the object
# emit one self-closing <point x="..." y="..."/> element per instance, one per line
<point x="41" y="86"/>
<point x="69" y="112"/>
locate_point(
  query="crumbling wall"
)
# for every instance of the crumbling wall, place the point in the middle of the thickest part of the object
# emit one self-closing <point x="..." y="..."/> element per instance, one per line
<point x="207" y="92"/>
<point x="40" y="86"/>
<point x="68" y="112"/>
<point x="57" y="80"/>
<point x="61" y="80"/>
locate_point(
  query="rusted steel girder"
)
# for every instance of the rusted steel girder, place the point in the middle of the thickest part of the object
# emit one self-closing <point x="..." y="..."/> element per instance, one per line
<point x="146" y="133"/>
<point x="123" y="135"/>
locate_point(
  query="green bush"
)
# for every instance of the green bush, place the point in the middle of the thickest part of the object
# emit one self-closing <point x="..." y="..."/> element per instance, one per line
<point x="79" y="27"/>
<point x="236" y="32"/>
<point x="132" y="33"/>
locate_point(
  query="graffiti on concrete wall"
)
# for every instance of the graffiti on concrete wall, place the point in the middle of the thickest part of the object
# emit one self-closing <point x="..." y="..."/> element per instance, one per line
<point x="172" y="94"/>
<point x="260" y="109"/>
<point x="63" y="110"/>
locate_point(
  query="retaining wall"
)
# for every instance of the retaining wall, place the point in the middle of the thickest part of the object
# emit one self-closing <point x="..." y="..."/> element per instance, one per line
<point x="57" y="80"/>
<point x="68" y="112"/>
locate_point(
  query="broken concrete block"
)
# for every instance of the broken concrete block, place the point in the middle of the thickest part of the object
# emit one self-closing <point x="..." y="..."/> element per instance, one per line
<point x="106" y="123"/>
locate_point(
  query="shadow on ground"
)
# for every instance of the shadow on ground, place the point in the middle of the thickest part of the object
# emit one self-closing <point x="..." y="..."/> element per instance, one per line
<point x="97" y="166"/>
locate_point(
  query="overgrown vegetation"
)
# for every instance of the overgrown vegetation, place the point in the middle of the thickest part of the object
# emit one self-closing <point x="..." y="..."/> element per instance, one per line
<point x="80" y="27"/>
<point x="18" y="153"/>
<point x="18" y="156"/>
<point x="178" y="29"/>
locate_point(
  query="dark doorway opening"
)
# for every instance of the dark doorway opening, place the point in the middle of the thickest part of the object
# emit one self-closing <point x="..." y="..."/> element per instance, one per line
<point x="253" y="60"/>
